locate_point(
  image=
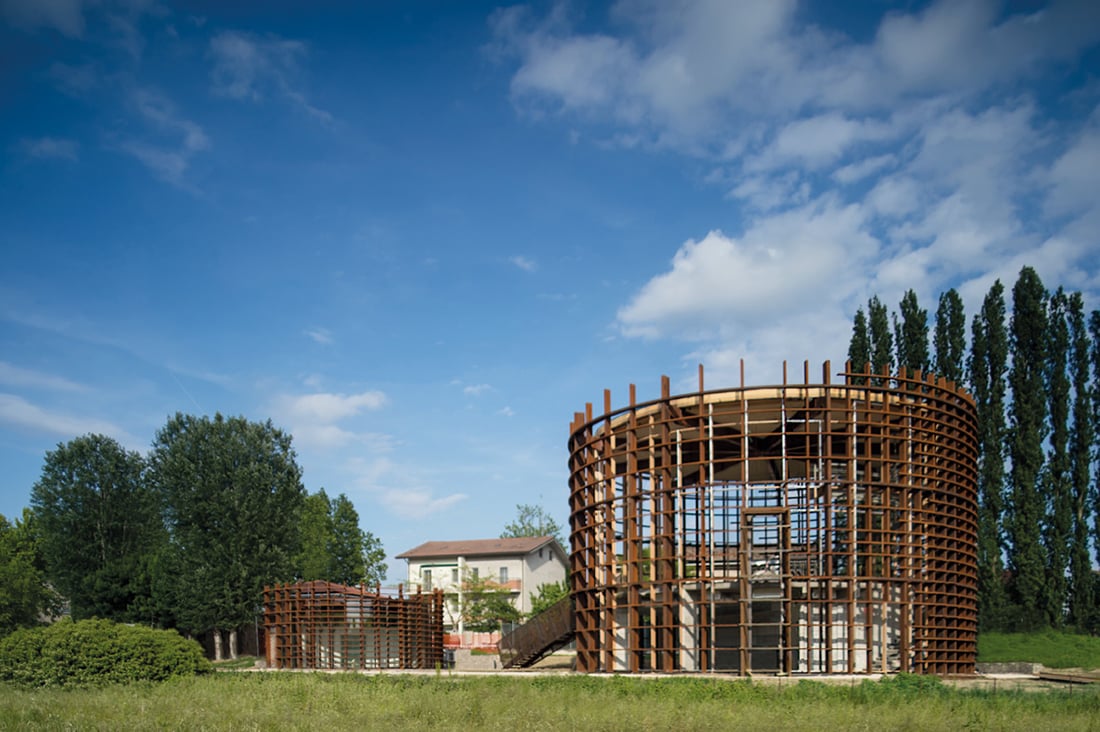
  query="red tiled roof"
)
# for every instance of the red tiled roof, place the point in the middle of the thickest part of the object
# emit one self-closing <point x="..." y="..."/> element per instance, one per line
<point x="477" y="547"/>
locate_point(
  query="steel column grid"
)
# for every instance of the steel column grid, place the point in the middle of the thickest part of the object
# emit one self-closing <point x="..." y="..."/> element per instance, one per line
<point x="799" y="528"/>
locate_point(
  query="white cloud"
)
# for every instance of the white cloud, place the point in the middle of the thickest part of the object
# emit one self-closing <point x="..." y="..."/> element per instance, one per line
<point x="691" y="74"/>
<point x="64" y="16"/>
<point x="415" y="504"/>
<point x="770" y="192"/>
<point x="816" y="142"/>
<point x="1074" y="177"/>
<point x="527" y="265"/>
<point x="861" y="169"/>
<point x="320" y="335"/>
<point x="506" y="412"/>
<point x="16" y="376"/>
<point x="324" y="407"/>
<point x="476" y="389"/>
<point x="17" y="411"/>
<point x="171" y="140"/>
<point x="784" y="264"/>
<point x="316" y="419"/>
<point x="51" y="147"/>
<point x="250" y="67"/>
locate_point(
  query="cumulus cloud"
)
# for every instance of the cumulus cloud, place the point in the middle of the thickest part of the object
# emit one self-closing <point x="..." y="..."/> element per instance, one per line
<point x="251" y="67"/>
<point x="783" y="264"/>
<point x="924" y="156"/>
<point x="323" y="407"/>
<point x="688" y="74"/>
<point x="476" y="389"/>
<point x="319" y="419"/>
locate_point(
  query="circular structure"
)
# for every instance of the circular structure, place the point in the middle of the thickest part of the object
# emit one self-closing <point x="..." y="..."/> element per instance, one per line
<point x="800" y="528"/>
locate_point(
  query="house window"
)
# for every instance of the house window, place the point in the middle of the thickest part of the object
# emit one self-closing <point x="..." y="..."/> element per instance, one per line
<point x="426" y="579"/>
<point x="473" y="574"/>
<point x="503" y="575"/>
<point x="454" y="576"/>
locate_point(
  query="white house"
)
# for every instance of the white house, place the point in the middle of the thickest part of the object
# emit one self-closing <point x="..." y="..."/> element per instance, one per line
<point x="519" y="565"/>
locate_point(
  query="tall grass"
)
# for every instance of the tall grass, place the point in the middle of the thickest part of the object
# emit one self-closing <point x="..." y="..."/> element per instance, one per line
<point x="527" y="703"/>
<point x="1050" y="648"/>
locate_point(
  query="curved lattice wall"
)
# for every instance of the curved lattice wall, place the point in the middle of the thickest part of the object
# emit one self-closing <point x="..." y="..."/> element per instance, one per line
<point x="799" y="528"/>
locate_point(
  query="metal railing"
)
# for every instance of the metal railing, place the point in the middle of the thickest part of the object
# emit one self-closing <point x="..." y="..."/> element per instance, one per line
<point x="542" y="634"/>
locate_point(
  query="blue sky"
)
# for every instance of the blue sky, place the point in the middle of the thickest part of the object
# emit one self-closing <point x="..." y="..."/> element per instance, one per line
<point x="420" y="235"/>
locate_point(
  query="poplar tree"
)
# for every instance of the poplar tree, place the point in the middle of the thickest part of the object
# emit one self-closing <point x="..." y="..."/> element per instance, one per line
<point x="333" y="546"/>
<point x="1082" y="601"/>
<point x="1094" y="331"/>
<point x="988" y="358"/>
<point x="949" y="341"/>
<point x="1058" y="527"/>
<point x="881" y="343"/>
<point x="911" y="334"/>
<point x="1027" y="416"/>
<point x="859" y="348"/>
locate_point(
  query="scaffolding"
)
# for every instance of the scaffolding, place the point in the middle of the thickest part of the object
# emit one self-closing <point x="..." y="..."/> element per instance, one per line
<point x="808" y="528"/>
<point x="324" y="625"/>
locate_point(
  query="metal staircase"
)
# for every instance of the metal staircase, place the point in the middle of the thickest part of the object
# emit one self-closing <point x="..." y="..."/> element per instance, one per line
<point x="541" y="635"/>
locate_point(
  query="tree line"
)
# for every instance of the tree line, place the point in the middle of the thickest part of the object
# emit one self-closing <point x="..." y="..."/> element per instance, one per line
<point x="1035" y="379"/>
<point x="184" y="537"/>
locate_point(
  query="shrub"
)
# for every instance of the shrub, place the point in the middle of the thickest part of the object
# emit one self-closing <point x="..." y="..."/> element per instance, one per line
<point x="97" y="652"/>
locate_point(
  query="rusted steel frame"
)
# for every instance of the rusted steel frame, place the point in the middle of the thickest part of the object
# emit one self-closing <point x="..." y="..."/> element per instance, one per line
<point x="931" y="544"/>
<point x="311" y="625"/>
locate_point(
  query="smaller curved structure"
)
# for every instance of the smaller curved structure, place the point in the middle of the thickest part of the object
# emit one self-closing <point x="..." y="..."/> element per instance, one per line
<point x="324" y="625"/>
<point x="812" y="527"/>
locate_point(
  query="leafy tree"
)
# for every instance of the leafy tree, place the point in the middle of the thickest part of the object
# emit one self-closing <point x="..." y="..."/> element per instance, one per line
<point x="485" y="605"/>
<point x="532" y="520"/>
<point x="334" y="548"/>
<point x="25" y="595"/>
<point x="1082" y="601"/>
<point x="98" y="525"/>
<point x="357" y="556"/>
<point x="911" y="334"/>
<point x="548" y="594"/>
<point x="233" y="496"/>
<point x="949" y="340"/>
<point x="882" y="344"/>
<point x="347" y="543"/>
<point x="1058" y="526"/>
<point x="988" y="359"/>
<point x="314" y="558"/>
<point x="1027" y="415"/>
<point x="859" y="348"/>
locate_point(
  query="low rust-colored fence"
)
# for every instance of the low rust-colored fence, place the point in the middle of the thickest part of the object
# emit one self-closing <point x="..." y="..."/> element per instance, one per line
<point x="324" y="625"/>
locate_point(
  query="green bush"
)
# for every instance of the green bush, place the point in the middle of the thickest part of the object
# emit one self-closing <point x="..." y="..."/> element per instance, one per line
<point x="97" y="652"/>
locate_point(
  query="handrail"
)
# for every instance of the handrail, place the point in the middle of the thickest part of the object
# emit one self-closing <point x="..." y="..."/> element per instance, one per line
<point x="542" y="634"/>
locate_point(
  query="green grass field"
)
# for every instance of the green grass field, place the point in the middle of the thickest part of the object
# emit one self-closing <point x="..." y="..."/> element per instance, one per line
<point x="1050" y="648"/>
<point x="276" y="701"/>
